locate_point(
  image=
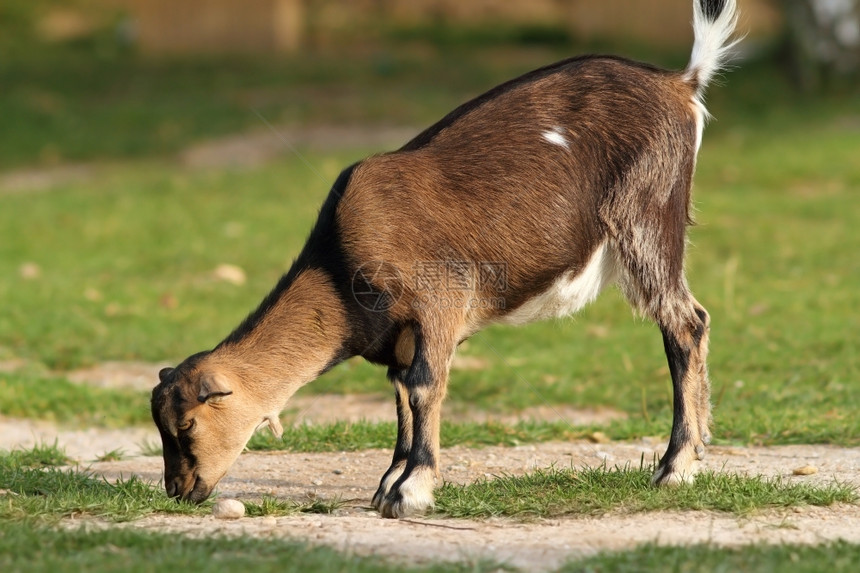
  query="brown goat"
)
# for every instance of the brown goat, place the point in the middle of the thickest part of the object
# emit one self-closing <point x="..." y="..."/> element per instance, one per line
<point x="519" y="205"/>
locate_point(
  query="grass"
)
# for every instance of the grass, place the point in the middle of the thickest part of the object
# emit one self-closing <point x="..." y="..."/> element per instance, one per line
<point x="114" y="455"/>
<point x="26" y="548"/>
<point x="65" y="105"/>
<point x="39" y="456"/>
<point x="351" y="436"/>
<point x="837" y="556"/>
<point x="270" y="506"/>
<point x="41" y="489"/>
<point x="558" y="492"/>
<point x="37" y="485"/>
<point x="51" y="397"/>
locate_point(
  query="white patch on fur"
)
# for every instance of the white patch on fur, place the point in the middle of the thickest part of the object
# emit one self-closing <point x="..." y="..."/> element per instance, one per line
<point x="571" y="291"/>
<point x="701" y="114"/>
<point x="556" y="136"/>
<point x="687" y="475"/>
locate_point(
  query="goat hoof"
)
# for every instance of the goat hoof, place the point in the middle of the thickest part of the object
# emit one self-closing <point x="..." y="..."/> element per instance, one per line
<point x="675" y="473"/>
<point x="411" y="496"/>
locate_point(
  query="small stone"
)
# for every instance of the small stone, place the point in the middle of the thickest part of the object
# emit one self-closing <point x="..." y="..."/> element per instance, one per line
<point x="230" y="273"/>
<point x="599" y="438"/>
<point x="93" y="295"/>
<point x="317" y="482"/>
<point x="228" y="509"/>
<point x="805" y="471"/>
<point x="337" y="472"/>
<point x="29" y="271"/>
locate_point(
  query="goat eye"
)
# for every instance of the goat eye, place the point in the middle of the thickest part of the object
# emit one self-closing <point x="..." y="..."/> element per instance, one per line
<point x="185" y="425"/>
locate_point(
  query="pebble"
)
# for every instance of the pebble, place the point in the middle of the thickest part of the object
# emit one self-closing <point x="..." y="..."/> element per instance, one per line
<point x="228" y="509"/>
<point x="230" y="273"/>
<point x="805" y="471"/>
<point x="29" y="271"/>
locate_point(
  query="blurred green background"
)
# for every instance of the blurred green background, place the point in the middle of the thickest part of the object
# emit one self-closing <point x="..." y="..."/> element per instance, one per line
<point x="161" y="163"/>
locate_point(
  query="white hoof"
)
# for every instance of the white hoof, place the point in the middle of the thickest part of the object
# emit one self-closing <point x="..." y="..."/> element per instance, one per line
<point x="414" y="496"/>
<point x="664" y="476"/>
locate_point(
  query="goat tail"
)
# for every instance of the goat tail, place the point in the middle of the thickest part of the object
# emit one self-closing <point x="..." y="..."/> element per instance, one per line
<point x="714" y="24"/>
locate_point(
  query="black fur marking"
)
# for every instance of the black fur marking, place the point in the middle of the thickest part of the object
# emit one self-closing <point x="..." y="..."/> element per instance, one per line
<point x="419" y="373"/>
<point x="712" y="8"/>
<point x="420" y="455"/>
<point x="396" y="373"/>
<point x="679" y="363"/>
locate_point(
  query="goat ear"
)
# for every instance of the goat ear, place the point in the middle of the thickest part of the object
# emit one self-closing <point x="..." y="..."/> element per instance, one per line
<point x="164" y="373"/>
<point x="213" y="389"/>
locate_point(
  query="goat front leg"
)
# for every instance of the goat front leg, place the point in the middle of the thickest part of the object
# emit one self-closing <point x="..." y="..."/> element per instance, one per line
<point x="425" y="384"/>
<point x="404" y="437"/>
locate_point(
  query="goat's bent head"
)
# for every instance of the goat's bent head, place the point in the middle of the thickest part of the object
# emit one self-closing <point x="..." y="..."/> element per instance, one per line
<point x="205" y="422"/>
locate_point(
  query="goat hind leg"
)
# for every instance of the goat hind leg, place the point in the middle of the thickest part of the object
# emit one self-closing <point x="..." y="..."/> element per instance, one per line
<point x="685" y="340"/>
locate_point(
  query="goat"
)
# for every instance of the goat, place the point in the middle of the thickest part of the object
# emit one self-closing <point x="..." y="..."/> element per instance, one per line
<point x="521" y="204"/>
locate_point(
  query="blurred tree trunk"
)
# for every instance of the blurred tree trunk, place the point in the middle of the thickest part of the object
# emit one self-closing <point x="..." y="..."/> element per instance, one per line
<point x="824" y="40"/>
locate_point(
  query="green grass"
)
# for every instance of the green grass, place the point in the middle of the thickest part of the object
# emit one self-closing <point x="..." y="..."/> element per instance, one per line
<point x="558" y="492"/>
<point x="38" y="486"/>
<point x="39" y="456"/>
<point x="114" y="455"/>
<point x="836" y="557"/>
<point x="350" y="436"/>
<point x="50" y="397"/>
<point x="41" y="490"/>
<point x="27" y="548"/>
<point x="63" y="107"/>
<point x="270" y="506"/>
